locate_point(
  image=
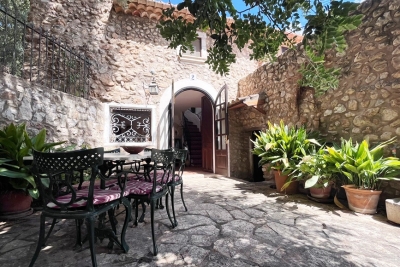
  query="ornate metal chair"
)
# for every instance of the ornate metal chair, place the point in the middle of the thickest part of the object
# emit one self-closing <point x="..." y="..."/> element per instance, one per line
<point x="180" y="156"/>
<point x="55" y="173"/>
<point x="152" y="189"/>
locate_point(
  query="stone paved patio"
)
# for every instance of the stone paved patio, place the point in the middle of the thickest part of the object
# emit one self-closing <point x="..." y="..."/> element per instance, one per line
<point x="229" y="223"/>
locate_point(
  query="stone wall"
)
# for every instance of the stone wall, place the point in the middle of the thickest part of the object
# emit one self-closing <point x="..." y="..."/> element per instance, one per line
<point x="366" y="103"/>
<point x="124" y="49"/>
<point x="65" y="117"/>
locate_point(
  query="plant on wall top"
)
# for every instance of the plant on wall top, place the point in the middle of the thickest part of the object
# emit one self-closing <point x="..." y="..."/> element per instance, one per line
<point x="283" y="146"/>
<point x="15" y="144"/>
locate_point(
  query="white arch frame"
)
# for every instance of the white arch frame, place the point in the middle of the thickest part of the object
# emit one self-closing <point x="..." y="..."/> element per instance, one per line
<point x="162" y="138"/>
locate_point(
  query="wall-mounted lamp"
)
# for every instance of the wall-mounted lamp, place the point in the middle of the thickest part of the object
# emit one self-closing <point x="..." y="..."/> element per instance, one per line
<point x="152" y="87"/>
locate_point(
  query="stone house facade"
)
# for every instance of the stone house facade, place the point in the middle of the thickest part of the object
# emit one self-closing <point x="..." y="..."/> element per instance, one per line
<point x="124" y="47"/>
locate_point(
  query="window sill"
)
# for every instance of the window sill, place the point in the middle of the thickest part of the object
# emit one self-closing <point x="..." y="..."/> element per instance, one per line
<point x="193" y="60"/>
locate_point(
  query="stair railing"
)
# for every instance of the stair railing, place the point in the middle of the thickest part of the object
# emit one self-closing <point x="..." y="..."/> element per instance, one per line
<point x="186" y="135"/>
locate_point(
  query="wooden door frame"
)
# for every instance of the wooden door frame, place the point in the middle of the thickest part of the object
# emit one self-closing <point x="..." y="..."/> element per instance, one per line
<point x="215" y="134"/>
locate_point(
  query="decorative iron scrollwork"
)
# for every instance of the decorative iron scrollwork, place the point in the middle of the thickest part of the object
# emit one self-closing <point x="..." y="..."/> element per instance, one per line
<point x="130" y="125"/>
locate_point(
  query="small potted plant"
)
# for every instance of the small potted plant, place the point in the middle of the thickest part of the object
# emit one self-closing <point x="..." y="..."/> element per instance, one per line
<point x="283" y="147"/>
<point x="17" y="185"/>
<point x="364" y="168"/>
<point x="318" y="174"/>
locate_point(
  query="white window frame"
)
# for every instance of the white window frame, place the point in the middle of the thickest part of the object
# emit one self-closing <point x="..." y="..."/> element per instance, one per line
<point x="194" y="59"/>
<point x="107" y="125"/>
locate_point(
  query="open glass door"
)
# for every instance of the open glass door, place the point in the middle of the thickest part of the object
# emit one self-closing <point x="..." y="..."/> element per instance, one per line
<point x="171" y="113"/>
<point x="221" y="132"/>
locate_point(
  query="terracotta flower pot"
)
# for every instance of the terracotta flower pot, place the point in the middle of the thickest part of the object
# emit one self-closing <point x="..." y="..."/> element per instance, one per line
<point x="362" y="201"/>
<point x="280" y="180"/>
<point x="321" y="192"/>
<point x="12" y="202"/>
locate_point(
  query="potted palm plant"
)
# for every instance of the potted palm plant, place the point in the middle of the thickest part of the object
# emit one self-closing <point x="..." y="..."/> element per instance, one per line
<point x="17" y="185"/>
<point x="318" y="174"/>
<point x="364" y="168"/>
<point x="283" y="147"/>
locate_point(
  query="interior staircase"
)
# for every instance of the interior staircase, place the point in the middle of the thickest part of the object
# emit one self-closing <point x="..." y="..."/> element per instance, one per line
<point x="193" y="137"/>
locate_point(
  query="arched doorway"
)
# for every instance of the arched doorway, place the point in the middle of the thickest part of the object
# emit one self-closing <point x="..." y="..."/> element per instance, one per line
<point x="218" y="130"/>
<point x="195" y="97"/>
<point x="193" y="126"/>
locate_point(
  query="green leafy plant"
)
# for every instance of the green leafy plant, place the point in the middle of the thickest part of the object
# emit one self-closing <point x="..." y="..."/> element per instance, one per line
<point x="316" y="170"/>
<point x="282" y="146"/>
<point x="15" y="144"/>
<point x="363" y="166"/>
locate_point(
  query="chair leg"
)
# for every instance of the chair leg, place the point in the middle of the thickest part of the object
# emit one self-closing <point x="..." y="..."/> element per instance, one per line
<point x="90" y="228"/>
<point x="141" y="219"/>
<point x="159" y="204"/>
<point x="51" y="229"/>
<point x="135" y="221"/>
<point x="128" y="210"/>
<point x="183" y="201"/>
<point x="78" y="224"/>
<point x="152" y="206"/>
<point x="167" y="208"/>
<point x="173" y="203"/>
<point x="40" y="241"/>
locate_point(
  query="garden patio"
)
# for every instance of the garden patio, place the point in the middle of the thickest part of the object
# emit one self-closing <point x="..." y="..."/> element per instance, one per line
<point x="229" y="222"/>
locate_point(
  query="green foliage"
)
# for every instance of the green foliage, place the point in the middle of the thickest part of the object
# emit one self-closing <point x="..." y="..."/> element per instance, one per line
<point x="15" y="144"/>
<point x="324" y="31"/>
<point x="316" y="75"/>
<point x="264" y="26"/>
<point x="316" y="170"/>
<point x="363" y="166"/>
<point x="282" y="146"/>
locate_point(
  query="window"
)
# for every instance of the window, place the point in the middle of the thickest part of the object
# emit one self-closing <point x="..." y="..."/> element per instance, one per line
<point x="197" y="49"/>
<point x="199" y="55"/>
<point x="129" y="125"/>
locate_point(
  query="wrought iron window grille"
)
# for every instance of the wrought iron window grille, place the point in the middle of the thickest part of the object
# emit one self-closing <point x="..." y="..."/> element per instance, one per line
<point x="130" y="125"/>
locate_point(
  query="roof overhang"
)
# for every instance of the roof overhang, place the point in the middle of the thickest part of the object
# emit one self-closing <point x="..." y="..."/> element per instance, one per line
<point x="256" y="101"/>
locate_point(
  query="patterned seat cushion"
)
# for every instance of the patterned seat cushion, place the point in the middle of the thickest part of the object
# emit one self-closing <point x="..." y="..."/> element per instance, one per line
<point x="85" y="184"/>
<point x="159" y="177"/>
<point x="139" y="187"/>
<point x="100" y="196"/>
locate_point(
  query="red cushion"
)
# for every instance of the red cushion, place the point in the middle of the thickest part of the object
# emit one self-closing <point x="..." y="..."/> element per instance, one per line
<point x="100" y="196"/>
<point x="136" y="187"/>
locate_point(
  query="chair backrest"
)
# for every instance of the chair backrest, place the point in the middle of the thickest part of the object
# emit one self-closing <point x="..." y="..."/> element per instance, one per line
<point x="55" y="174"/>
<point x="163" y="160"/>
<point x="180" y="156"/>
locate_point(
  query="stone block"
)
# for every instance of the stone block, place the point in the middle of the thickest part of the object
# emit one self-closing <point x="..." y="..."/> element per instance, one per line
<point x="393" y="210"/>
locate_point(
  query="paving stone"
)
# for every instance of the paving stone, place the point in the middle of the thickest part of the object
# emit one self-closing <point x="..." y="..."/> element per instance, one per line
<point x="223" y="227"/>
<point x="237" y="228"/>
<point x="238" y="214"/>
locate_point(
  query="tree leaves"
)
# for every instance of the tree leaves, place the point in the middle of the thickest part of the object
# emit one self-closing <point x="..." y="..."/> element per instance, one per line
<point x="264" y="26"/>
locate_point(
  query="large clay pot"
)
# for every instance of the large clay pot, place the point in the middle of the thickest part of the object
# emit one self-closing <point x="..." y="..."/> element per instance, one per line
<point x="13" y="202"/>
<point x="362" y="201"/>
<point x="280" y="180"/>
<point x="321" y="192"/>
